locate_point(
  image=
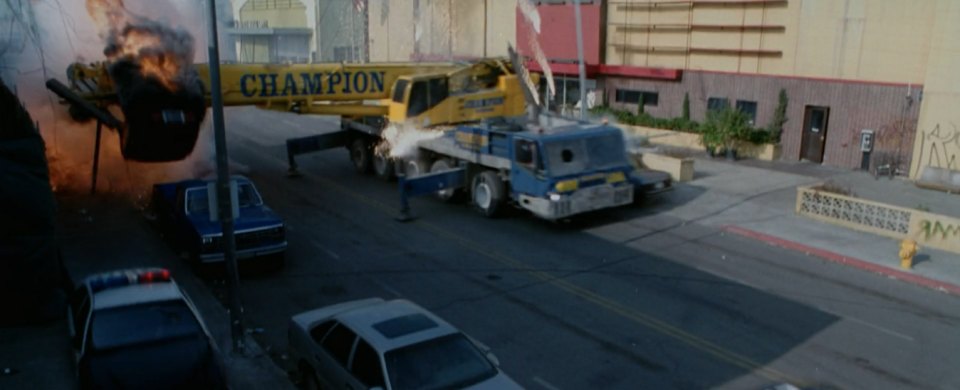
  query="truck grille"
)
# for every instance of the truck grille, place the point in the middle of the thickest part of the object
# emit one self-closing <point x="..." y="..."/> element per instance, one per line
<point x="247" y="240"/>
<point x="622" y="196"/>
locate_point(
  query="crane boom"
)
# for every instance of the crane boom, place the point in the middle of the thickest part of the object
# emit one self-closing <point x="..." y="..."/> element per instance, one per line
<point x="162" y="117"/>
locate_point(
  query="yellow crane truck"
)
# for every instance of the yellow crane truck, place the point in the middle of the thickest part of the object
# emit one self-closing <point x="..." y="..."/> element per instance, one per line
<point x="161" y="122"/>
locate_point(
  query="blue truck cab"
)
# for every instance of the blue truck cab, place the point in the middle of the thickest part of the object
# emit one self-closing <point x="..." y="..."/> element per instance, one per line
<point x="553" y="172"/>
<point x="183" y="210"/>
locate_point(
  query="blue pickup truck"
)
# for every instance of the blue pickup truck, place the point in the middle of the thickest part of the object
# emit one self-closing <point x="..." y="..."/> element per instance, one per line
<point x="182" y="210"/>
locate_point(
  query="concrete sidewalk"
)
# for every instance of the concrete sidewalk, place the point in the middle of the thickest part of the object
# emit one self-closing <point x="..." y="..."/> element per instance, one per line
<point x="757" y="199"/>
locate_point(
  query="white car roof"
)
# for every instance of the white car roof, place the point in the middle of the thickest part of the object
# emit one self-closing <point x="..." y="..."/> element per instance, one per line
<point x="136" y="294"/>
<point x="370" y="320"/>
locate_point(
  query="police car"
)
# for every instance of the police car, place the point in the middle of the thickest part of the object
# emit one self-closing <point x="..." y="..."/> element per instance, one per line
<point x="136" y="328"/>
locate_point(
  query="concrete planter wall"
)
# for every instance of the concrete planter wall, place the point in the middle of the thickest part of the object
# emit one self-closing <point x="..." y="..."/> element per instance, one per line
<point x="928" y="229"/>
<point x="686" y="140"/>
<point x="677" y="139"/>
<point x="765" y="152"/>
<point x="680" y="169"/>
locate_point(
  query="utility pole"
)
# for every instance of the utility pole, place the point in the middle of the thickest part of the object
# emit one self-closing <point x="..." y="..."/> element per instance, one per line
<point x="223" y="187"/>
<point x="580" y="66"/>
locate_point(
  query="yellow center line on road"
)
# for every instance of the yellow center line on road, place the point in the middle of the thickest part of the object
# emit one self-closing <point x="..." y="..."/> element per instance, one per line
<point x="590" y="296"/>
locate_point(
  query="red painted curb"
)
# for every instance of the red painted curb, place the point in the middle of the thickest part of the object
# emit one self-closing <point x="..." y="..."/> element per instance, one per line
<point x="846" y="260"/>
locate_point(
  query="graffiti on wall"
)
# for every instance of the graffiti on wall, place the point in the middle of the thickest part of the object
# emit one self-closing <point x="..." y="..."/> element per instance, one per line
<point x="940" y="147"/>
<point x="939" y="230"/>
<point x="892" y="143"/>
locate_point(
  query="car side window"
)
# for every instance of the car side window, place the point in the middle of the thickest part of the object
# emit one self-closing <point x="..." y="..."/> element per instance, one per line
<point x="321" y="330"/>
<point x="339" y="343"/>
<point x="366" y="365"/>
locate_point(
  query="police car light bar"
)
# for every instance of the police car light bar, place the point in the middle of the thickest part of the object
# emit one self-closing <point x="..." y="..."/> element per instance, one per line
<point x="129" y="277"/>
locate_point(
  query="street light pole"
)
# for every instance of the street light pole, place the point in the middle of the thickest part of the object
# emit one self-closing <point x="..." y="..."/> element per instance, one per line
<point x="225" y="211"/>
<point x="580" y="66"/>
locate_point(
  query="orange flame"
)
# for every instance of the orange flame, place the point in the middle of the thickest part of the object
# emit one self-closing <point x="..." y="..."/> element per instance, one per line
<point x="108" y="14"/>
<point x="142" y="46"/>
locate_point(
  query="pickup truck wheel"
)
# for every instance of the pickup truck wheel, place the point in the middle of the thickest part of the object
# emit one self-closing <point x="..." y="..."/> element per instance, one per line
<point x="308" y="379"/>
<point x="448" y="195"/>
<point x="360" y="155"/>
<point x="488" y="194"/>
<point x="383" y="167"/>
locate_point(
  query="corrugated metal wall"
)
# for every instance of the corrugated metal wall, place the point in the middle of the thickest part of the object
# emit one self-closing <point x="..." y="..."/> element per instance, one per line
<point x="854" y="106"/>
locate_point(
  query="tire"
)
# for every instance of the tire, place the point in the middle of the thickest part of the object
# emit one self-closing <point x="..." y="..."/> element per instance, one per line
<point x="383" y="167"/>
<point x="448" y="195"/>
<point x="488" y="194"/>
<point x="361" y="155"/>
<point x="308" y="379"/>
<point x="416" y="167"/>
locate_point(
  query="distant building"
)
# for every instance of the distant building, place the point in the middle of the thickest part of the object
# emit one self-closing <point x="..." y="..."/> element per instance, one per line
<point x="272" y="31"/>
<point x="848" y="68"/>
<point x="435" y="30"/>
<point x="342" y="31"/>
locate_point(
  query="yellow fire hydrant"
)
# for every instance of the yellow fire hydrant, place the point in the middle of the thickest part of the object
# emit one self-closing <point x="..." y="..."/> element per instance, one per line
<point x="908" y="249"/>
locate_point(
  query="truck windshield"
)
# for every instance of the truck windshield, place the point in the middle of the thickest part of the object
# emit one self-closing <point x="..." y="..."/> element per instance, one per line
<point x="573" y="156"/>
<point x="197" y="202"/>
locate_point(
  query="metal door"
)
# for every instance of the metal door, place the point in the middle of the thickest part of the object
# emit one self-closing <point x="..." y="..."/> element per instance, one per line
<point x="814" y="133"/>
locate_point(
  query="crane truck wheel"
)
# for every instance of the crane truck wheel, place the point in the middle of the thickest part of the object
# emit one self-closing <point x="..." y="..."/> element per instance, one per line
<point x="361" y="155"/>
<point x="416" y="167"/>
<point x="488" y="194"/>
<point x="383" y="166"/>
<point x="451" y="194"/>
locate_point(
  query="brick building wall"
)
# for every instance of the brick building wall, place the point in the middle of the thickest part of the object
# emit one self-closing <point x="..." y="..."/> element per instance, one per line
<point x="882" y="107"/>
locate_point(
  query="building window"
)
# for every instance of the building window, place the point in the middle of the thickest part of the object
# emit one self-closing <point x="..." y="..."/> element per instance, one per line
<point x="749" y="108"/>
<point x="717" y="104"/>
<point x="631" y="96"/>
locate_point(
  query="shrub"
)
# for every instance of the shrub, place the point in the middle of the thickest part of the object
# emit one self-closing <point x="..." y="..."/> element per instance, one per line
<point x="724" y="128"/>
<point x="685" y="113"/>
<point x="775" y="128"/>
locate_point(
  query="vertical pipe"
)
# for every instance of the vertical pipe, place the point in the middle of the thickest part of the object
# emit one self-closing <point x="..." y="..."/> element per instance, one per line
<point x="485" y="37"/>
<point x="223" y="186"/>
<point x="580" y="66"/>
<point x="316" y="31"/>
<point x="96" y="159"/>
<point x="353" y="33"/>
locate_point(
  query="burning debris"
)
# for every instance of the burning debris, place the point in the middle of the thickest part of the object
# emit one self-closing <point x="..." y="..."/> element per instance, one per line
<point x="159" y="91"/>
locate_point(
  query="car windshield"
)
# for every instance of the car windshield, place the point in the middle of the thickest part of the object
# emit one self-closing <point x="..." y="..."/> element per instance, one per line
<point x="572" y="156"/>
<point x="197" y="201"/>
<point x="143" y="323"/>
<point x="442" y="363"/>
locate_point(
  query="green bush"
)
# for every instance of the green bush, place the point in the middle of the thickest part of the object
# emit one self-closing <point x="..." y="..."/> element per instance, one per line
<point x="724" y="128"/>
<point x="685" y="113"/>
<point x="775" y="127"/>
<point x="734" y="122"/>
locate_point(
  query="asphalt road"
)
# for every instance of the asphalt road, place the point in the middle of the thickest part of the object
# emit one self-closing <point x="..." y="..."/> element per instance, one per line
<point x="622" y="299"/>
<point x="618" y="299"/>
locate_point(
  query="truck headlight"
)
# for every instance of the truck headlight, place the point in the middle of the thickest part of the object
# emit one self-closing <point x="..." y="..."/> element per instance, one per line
<point x="567" y="185"/>
<point x="616" y="177"/>
<point x="555" y="197"/>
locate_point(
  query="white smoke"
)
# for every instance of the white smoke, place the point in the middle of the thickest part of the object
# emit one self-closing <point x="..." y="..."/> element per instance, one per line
<point x="402" y="140"/>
